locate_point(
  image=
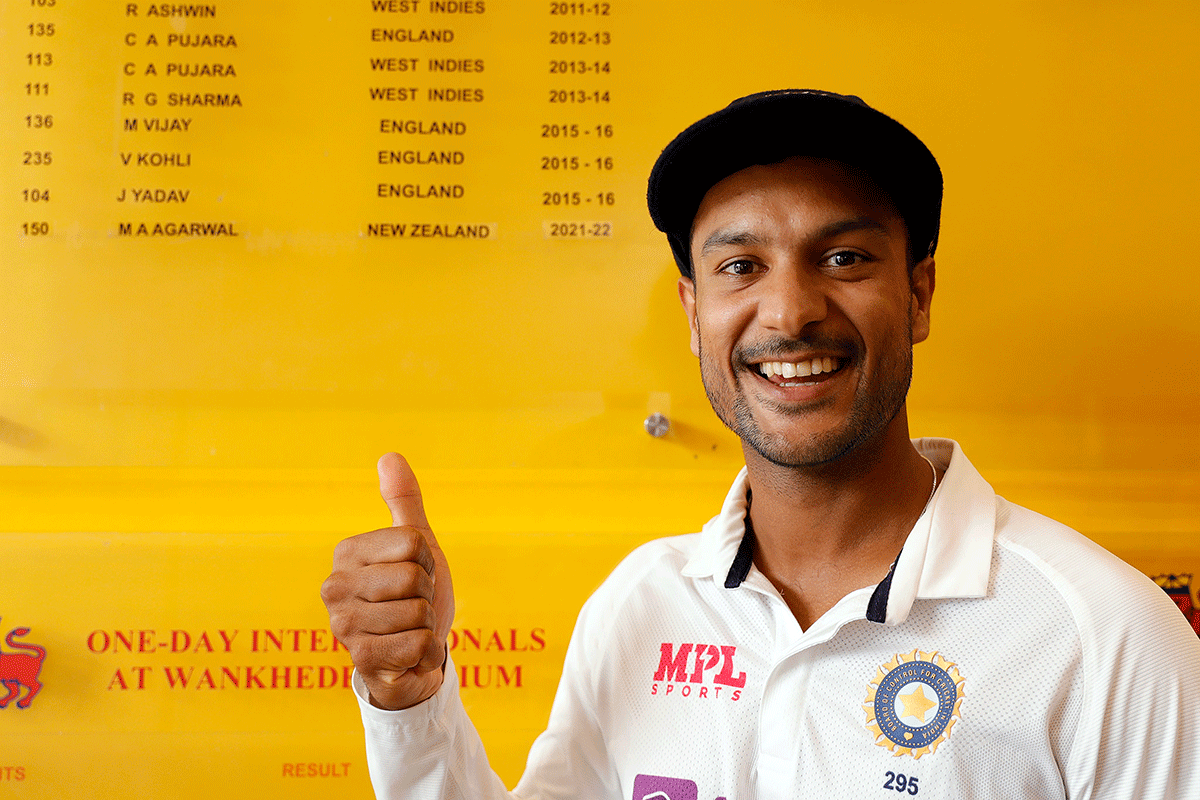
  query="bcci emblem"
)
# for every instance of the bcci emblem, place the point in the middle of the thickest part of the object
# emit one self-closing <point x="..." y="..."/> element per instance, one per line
<point x="913" y="702"/>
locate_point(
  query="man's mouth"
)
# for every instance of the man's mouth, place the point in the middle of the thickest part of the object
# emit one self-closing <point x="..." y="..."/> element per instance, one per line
<point x="786" y="373"/>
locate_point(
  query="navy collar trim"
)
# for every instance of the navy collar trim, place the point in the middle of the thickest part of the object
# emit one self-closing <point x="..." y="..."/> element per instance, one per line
<point x="877" y="605"/>
<point x="744" y="559"/>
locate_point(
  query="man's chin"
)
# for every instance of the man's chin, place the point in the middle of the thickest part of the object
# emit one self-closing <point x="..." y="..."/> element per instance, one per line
<point x="794" y="449"/>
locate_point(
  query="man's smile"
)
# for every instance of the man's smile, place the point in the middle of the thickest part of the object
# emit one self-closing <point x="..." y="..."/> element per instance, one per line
<point x="782" y="373"/>
<point x="797" y="382"/>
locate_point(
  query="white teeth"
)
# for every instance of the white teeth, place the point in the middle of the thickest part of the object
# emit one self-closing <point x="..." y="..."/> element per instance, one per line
<point x="802" y="369"/>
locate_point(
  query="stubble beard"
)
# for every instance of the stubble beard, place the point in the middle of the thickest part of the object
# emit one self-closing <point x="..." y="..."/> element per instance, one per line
<point x="870" y="413"/>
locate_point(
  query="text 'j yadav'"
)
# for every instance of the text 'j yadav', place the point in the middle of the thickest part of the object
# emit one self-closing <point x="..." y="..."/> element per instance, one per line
<point x="154" y="195"/>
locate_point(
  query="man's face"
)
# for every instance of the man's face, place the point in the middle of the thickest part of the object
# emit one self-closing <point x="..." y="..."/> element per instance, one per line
<point x="802" y="310"/>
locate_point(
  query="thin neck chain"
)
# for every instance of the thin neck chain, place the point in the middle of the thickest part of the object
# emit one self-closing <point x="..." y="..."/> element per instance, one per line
<point x="929" y="499"/>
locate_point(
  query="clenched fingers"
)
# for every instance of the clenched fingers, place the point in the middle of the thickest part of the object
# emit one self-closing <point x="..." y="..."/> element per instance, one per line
<point x="384" y="546"/>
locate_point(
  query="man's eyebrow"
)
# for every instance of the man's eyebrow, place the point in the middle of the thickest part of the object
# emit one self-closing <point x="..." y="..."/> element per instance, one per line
<point x="748" y="238"/>
<point x="731" y="238"/>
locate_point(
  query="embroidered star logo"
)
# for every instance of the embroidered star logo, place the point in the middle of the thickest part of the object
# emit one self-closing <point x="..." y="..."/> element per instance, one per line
<point x="890" y="714"/>
<point x="917" y="704"/>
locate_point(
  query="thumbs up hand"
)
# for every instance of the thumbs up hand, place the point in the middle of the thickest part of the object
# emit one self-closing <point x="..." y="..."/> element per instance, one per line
<point x="390" y="598"/>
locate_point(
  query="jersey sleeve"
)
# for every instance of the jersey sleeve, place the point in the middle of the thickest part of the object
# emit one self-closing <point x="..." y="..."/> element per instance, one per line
<point x="1139" y="732"/>
<point x="571" y="759"/>
<point x="433" y="752"/>
<point x="430" y="751"/>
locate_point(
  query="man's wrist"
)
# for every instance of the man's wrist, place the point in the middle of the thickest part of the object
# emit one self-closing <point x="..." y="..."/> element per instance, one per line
<point x="375" y="703"/>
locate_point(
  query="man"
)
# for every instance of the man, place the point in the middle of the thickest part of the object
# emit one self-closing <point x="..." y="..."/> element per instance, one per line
<point x="864" y="616"/>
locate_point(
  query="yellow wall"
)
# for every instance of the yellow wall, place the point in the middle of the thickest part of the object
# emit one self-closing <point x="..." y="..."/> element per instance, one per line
<point x="188" y="424"/>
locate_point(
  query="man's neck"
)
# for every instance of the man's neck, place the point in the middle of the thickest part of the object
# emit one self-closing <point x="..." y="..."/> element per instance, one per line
<point x="823" y="532"/>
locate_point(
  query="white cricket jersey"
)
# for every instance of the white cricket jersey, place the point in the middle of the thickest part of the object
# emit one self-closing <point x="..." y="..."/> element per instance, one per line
<point x="1006" y="656"/>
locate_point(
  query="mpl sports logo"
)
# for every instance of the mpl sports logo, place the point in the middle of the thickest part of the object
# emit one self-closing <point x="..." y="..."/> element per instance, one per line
<point x="696" y="670"/>
<point x="19" y="670"/>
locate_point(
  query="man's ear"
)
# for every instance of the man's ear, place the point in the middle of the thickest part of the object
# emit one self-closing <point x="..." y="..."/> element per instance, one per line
<point x="922" y="281"/>
<point x="687" y="296"/>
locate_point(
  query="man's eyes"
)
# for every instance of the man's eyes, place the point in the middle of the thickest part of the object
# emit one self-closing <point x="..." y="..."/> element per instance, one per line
<point x="845" y="258"/>
<point x="841" y="259"/>
<point x="739" y="267"/>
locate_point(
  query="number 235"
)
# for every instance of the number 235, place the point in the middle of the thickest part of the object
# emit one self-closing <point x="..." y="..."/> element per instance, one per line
<point x="901" y="783"/>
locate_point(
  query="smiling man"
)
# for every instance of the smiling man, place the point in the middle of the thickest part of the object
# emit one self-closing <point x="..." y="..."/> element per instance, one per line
<point x="864" y="617"/>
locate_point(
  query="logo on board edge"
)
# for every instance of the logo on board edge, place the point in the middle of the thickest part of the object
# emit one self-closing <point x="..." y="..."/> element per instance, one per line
<point x="19" y="670"/>
<point x="1179" y="589"/>
<point x="913" y="702"/>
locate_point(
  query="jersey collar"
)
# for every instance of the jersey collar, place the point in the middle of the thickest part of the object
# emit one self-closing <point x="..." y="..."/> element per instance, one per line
<point x="946" y="555"/>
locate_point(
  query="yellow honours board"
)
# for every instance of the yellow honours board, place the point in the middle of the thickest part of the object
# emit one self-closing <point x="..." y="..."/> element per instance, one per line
<point x="313" y="207"/>
<point x="229" y="223"/>
<point x="245" y="247"/>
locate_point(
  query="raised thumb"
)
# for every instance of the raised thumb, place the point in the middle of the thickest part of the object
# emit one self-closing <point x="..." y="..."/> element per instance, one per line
<point x="399" y="489"/>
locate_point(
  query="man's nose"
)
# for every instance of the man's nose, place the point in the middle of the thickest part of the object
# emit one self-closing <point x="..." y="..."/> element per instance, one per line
<point x="791" y="299"/>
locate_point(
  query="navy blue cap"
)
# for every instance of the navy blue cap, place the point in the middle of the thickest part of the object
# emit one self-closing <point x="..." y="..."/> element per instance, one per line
<point x="768" y="127"/>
